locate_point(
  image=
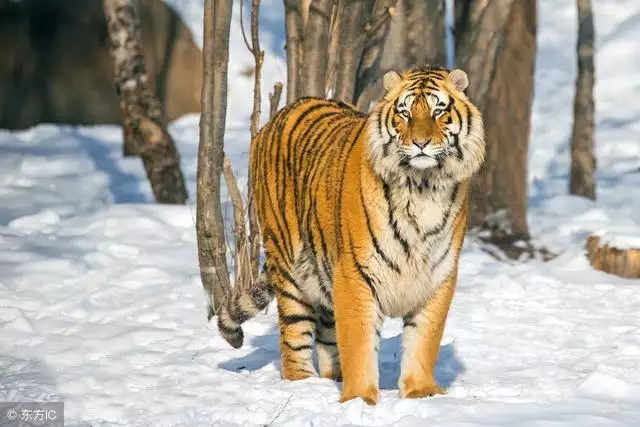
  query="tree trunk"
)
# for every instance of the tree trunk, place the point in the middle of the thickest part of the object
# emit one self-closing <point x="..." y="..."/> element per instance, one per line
<point x="352" y="18"/>
<point x="315" y="49"/>
<point x="130" y="146"/>
<point x="294" y="30"/>
<point x="209" y="221"/>
<point x="143" y="114"/>
<point x="603" y="255"/>
<point x="583" y="163"/>
<point x="500" y="64"/>
<point x="369" y="74"/>
<point x="424" y="20"/>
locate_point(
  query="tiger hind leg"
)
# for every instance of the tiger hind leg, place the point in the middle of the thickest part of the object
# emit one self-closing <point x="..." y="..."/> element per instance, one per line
<point x="297" y="320"/>
<point x="326" y="346"/>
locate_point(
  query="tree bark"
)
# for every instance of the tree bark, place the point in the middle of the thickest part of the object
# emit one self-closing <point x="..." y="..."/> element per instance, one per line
<point x="130" y="146"/>
<point x="315" y="49"/>
<point x="294" y="30"/>
<point x="209" y="221"/>
<point x="352" y="18"/>
<point x="623" y="262"/>
<point x="143" y="114"/>
<point x="496" y="46"/>
<point x="367" y="87"/>
<point x="424" y="21"/>
<point x="583" y="163"/>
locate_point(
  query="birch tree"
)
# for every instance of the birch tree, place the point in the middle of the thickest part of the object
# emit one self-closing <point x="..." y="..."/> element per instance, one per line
<point x="145" y="123"/>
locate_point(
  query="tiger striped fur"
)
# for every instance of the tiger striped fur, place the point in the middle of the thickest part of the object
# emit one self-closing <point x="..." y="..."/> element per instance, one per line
<point x="363" y="216"/>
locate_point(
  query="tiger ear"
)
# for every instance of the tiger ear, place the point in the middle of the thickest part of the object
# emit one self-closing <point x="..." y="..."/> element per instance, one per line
<point x="459" y="79"/>
<point x="390" y="80"/>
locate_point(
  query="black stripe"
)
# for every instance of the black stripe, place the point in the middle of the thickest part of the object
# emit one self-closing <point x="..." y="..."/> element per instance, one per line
<point x="296" y="318"/>
<point x="410" y="324"/>
<point x="363" y="274"/>
<point x="229" y="330"/>
<point x="443" y="256"/>
<point x="298" y="347"/>
<point x="290" y="296"/>
<point x="327" y="343"/>
<point x="339" y="195"/>
<point x="468" y="111"/>
<point x="438" y="228"/>
<point x="236" y="312"/>
<point x="368" y="280"/>
<point x="268" y="237"/>
<point x="393" y="223"/>
<point x="287" y="276"/>
<point x="391" y="264"/>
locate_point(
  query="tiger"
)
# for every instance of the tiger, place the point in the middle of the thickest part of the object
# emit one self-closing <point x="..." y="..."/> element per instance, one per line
<point x="362" y="217"/>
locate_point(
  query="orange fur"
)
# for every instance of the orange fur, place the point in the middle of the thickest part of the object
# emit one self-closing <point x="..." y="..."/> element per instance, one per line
<point x="356" y="226"/>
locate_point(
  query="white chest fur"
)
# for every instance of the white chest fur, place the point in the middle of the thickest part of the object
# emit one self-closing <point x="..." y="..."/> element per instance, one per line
<point x="413" y="254"/>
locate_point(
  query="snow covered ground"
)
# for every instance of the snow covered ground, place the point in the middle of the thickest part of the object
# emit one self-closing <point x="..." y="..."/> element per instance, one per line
<point x="101" y="304"/>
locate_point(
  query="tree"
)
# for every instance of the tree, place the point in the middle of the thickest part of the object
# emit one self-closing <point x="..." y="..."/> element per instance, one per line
<point x="500" y="64"/>
<point x="583" y="163"/>
<point x="294" y="27"/>
<point x="209" y="221"/>
<point x="212" y="162"/>
<point x="315" y="42"/>
<point x="144" y="118"/>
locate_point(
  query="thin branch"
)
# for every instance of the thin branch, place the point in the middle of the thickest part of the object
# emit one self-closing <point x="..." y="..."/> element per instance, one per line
<point x="243" y="276"/>
<point x="258" y="55"/>
<point x="334" y="42"/>
<point x="274" y="99"/>
<point x="244" y="34"/>
<point x="259" y="58"/>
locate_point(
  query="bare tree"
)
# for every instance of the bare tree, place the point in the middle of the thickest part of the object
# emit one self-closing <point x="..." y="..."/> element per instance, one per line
<point x="500" y="64"/>
<point x="351" y="19"/>
<point x="410" y="34"/>
<point x="313" y="71"/>
<point x="258" y="55"/>
<point x="583" y="163"/>
<point x="209" y="221"/>
<point x="144" y="117"/>
<point x="368" y="77"/>
<point x="294" y="28"/>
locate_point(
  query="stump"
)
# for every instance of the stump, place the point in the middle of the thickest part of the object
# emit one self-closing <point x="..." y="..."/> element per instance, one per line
<point x="615" y="252"/>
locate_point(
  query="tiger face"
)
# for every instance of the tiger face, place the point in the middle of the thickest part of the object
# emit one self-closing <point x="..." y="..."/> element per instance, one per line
<point x="426" y="126"/>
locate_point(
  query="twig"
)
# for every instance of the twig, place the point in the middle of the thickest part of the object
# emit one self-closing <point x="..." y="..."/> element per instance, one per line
<point x="334" y="38"/>
<point x="280" y="412"/>
<point x="244" y="34"/>
<point x="259" y="58"/>
<point x="239" y="231"/>
<point x="274" y="99"/>
<point x="254" y="230"/>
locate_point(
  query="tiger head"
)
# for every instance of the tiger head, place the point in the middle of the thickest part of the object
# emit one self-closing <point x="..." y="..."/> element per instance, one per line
<point x="425" y="127"/>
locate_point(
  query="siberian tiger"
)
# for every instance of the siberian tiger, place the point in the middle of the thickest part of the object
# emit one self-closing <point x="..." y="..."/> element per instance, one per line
<point x="363" y="216"/>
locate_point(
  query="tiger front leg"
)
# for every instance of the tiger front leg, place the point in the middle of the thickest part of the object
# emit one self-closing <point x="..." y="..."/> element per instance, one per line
<point x="357" y="323"/>
<point x="421" y="344"/>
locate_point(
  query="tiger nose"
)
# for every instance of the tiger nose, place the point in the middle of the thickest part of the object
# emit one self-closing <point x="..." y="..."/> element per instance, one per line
<point x="421" y="143"/>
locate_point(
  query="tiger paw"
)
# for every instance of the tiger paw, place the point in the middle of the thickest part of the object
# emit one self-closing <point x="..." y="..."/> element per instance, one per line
<point x="411" y="388"/>
<point x="369" y="395"/>
<point x="297" y="374"/>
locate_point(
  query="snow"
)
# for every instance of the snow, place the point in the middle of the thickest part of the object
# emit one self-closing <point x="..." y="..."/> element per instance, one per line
<point x="101" y="304"/>
<point x="620" y="237"/>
